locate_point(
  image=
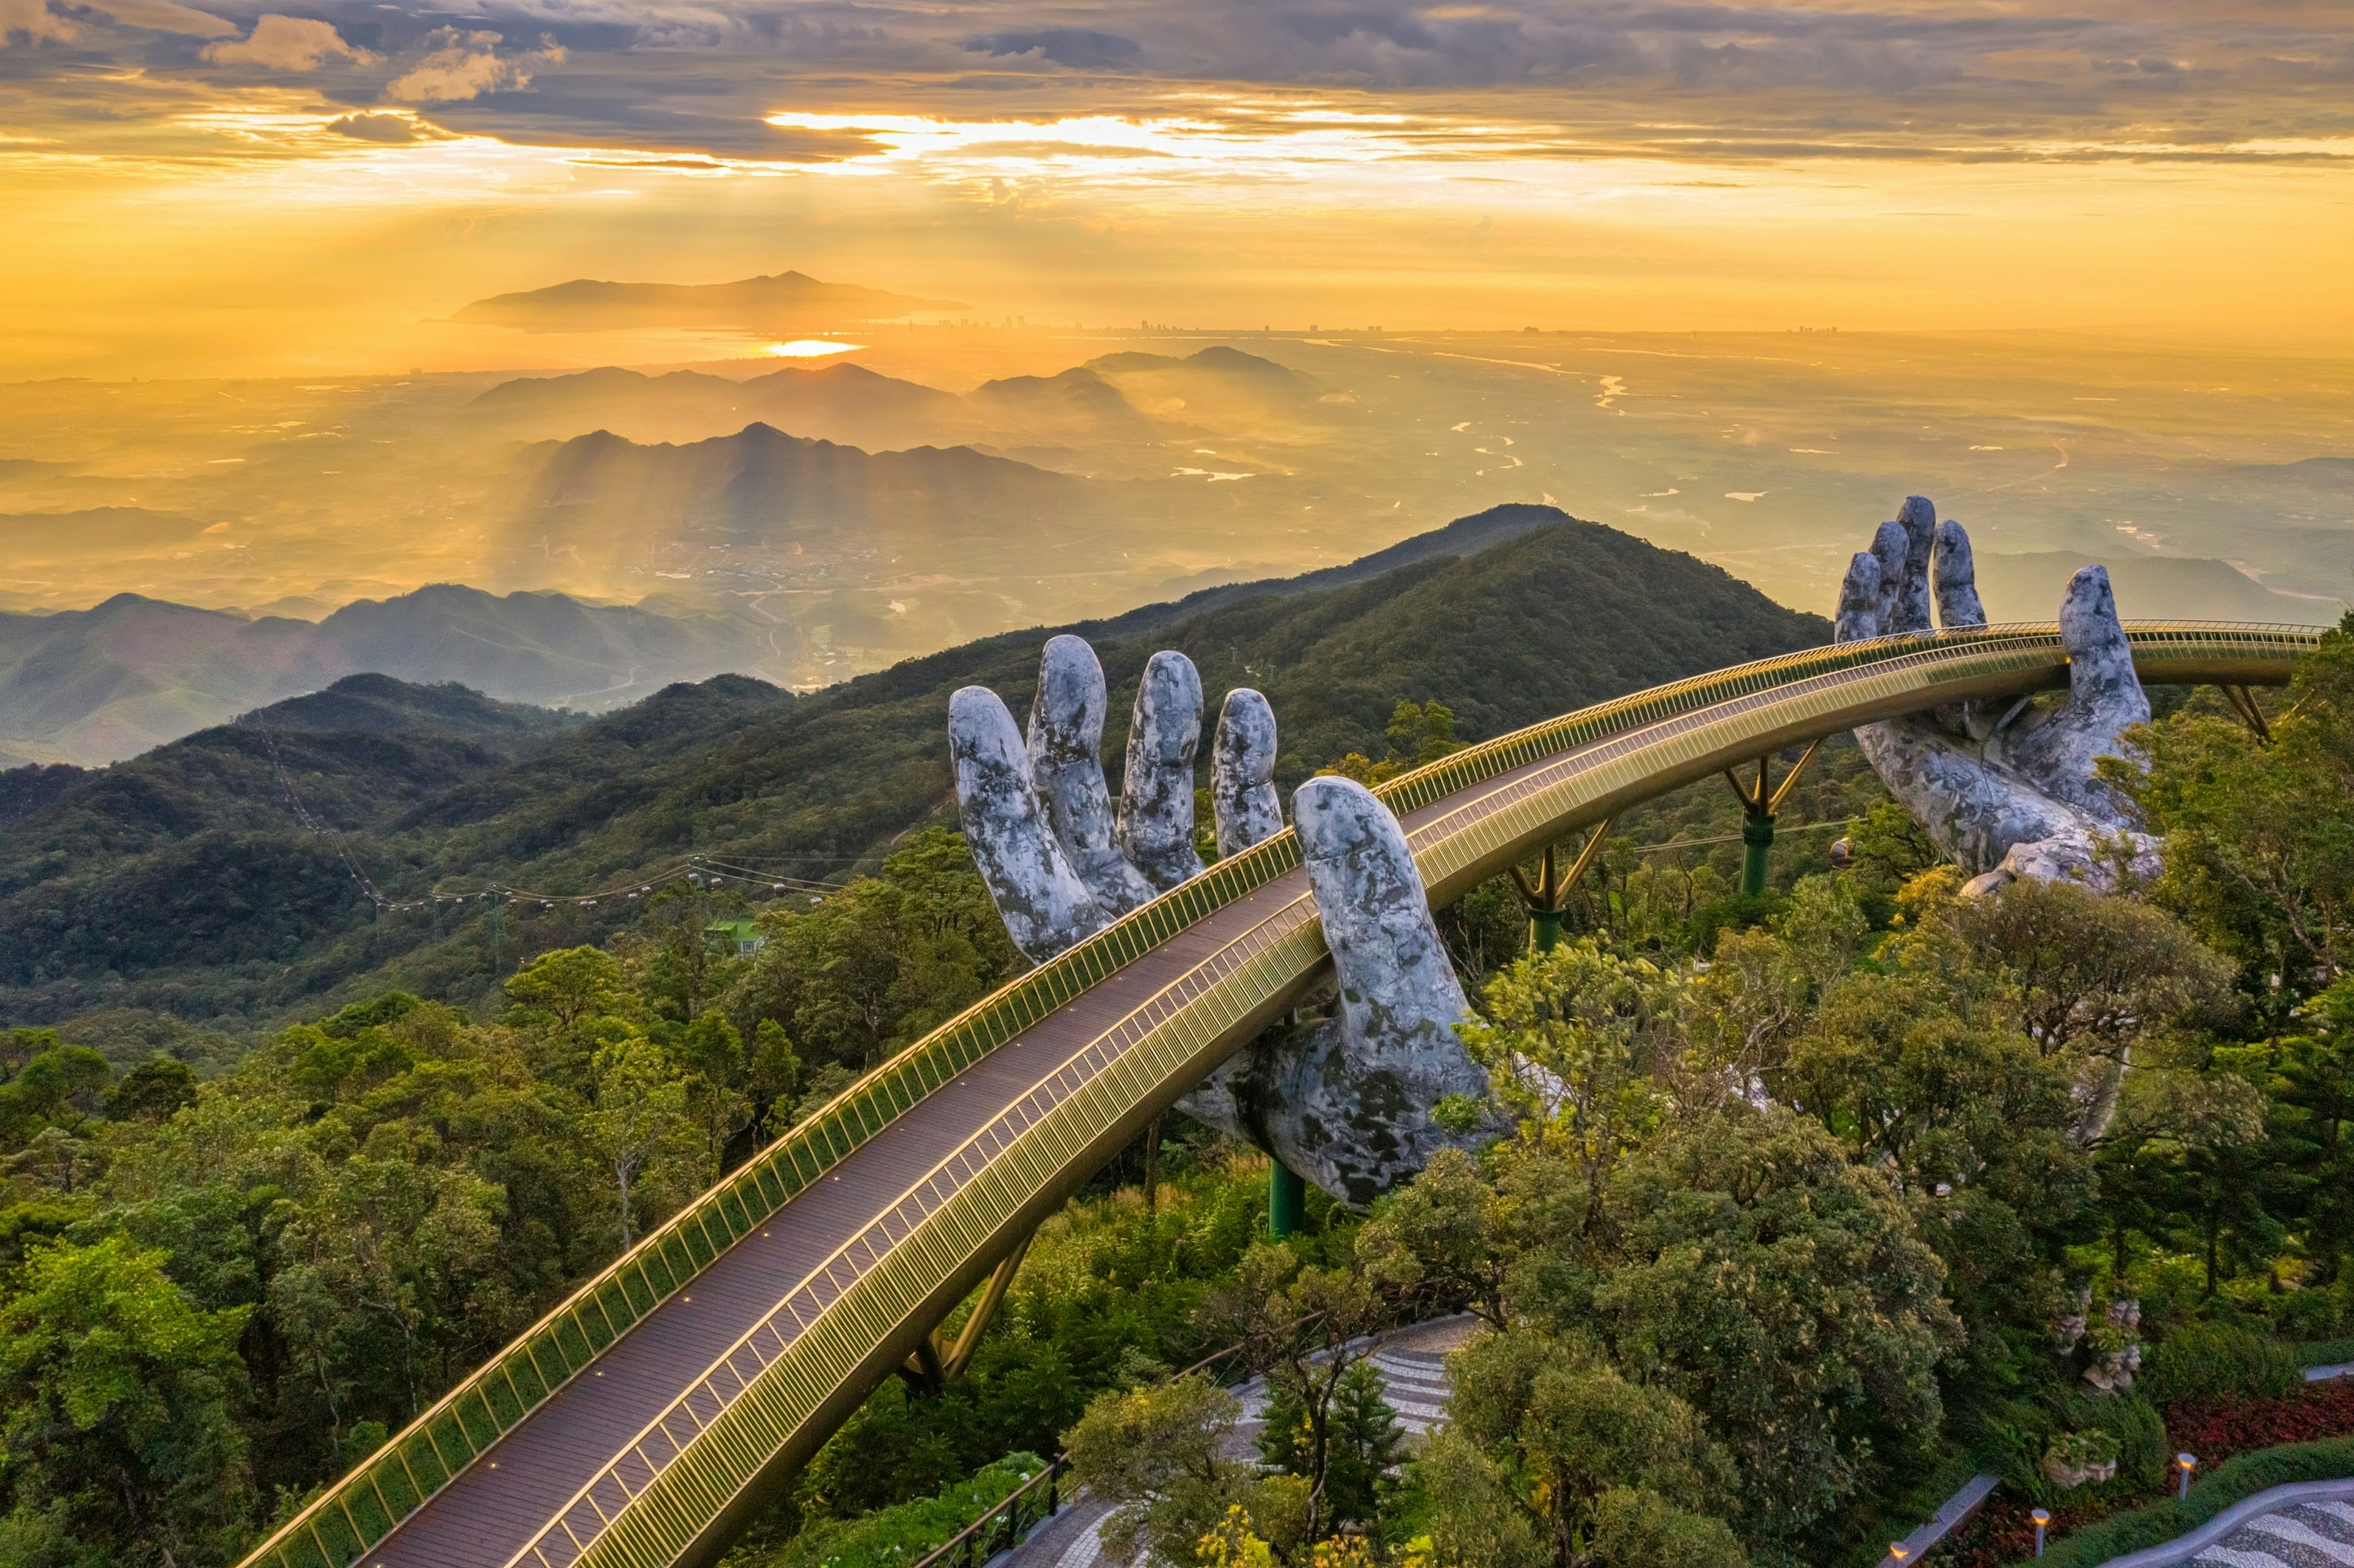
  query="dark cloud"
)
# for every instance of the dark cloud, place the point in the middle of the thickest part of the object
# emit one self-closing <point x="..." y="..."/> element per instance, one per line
<point x="691" y="78"/>
<point x="1081" y="49"/>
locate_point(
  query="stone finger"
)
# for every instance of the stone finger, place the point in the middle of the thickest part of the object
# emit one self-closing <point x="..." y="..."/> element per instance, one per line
<point x="1891" y="549"/>
<point x="2105" y="696"/>
<point x="1066" y="721"/>
<point x="1242" y="773"/>
<point x="1046" y="907"/>
<point x="1156" y="802"/>
<point x="1918" y="518"/>
<point x="1858" y="616"/>
<point x="1352" y="1104"/>
<point x="1958" y="579"/>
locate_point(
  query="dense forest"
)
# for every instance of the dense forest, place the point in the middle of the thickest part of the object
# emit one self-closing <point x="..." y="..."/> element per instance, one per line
<point x="1810" y="1204"/>
<point x="224" y="880"/>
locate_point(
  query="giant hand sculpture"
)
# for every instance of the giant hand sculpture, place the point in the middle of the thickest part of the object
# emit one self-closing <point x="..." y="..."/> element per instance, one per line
<point x="2012" y="792"/>
<point x="1345" y="1101"/>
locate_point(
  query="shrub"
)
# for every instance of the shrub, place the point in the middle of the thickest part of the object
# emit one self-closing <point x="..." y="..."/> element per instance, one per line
<point x="2325" y="1352"/>
<point x="896" y="1536"/>
<point x="2207" y="1359"/>
<point x="2232" y="1481"/>
<point x="2313" y="1313"/>
<point x="2132" y="1425"/>
<point x="2215" y="1429"/>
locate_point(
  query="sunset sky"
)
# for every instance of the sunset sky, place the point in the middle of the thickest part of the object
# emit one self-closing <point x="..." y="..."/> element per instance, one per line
<point x="224" y="189"/>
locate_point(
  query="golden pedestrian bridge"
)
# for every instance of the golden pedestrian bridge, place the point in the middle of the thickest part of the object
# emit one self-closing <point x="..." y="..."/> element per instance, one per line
<point x="644" y="1421"/>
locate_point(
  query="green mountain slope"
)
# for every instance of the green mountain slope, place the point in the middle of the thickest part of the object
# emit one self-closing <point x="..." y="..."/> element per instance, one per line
<point x="109" y="892"/>
<point x="95" y="685"/>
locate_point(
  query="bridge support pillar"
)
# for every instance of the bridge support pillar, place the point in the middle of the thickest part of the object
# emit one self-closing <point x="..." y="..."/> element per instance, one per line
<point x="1287" y="1200"/>
<point x="1760" y="801"/>
<point x="1547" y="899"/>
<point x="1757" y="853"/>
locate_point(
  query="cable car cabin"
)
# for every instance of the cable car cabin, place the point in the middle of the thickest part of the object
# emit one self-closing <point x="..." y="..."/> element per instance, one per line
<point x="740" y="937"/>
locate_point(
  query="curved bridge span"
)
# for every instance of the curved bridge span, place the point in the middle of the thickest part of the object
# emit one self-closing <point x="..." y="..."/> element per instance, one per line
<point x="644" y="1421"/>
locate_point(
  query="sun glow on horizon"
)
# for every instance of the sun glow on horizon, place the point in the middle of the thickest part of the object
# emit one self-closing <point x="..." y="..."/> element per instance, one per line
<point x="810" y="348"/>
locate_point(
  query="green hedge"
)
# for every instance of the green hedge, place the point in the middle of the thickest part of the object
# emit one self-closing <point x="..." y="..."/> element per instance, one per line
<point x="896" y="1536"/>
<point x="2200" y="1361"/>
<point x="2330" y="1459"/>
<point x="2325" y="1352"/>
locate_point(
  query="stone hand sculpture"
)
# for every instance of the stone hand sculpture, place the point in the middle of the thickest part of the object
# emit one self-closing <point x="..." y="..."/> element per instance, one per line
<point x="1345" y="1101"/>
<point x="2007" y="791"/>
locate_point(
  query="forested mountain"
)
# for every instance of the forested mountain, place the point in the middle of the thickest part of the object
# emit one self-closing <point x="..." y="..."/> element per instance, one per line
<point x="188" y="881"/>
<point x="95" y="685"/>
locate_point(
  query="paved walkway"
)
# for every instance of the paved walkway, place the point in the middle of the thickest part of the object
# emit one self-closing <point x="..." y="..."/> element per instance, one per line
<point x="2302" y="1535"/>
<point x="1412" y="1362"/>
<point x="2307" y="1524"/>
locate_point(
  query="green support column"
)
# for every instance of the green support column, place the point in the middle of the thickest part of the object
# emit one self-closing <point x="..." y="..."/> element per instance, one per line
<point x="1759" y="803"/>
<point x="1756" y="848"/>
<point x="1287" y="1200"/>
<point x="1547" y="899"/>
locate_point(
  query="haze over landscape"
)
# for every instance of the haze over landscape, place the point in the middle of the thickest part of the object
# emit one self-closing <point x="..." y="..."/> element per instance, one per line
<point x="530" y="531"/>
<point x="827" y="334"/>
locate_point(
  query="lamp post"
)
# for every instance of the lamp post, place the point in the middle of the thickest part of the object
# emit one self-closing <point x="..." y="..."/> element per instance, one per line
<point x="2041" y="1516"/>
<point x="2186" y="1463"/>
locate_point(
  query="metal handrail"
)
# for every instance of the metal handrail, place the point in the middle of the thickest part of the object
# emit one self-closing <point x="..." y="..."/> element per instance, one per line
<point x="1009" y="1509"/>
<point x="1050" y="1478"/>
<point x="339" y="1526"/>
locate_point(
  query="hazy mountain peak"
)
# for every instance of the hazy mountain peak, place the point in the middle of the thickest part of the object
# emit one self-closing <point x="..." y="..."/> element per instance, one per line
<point x="374" y="704"/>
<point x="761" y="304"/>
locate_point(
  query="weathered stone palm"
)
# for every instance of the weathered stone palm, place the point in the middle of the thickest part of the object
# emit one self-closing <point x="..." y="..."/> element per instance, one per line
<point x="2005" y="790"/>
<point x="1344" y="1101"/>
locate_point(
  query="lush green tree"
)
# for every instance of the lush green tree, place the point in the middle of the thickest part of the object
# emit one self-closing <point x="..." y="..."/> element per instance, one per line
<point x="562" y="995"/>
<point x="1444" y="1242"/>
<point x="1302" y="1328"/>
<point x="1571" y="1039"/>
<point x="1571" y="1430"/>
<point x="638" y="1128"/>
<point x="61" y="1089"/>
<point x="1362" y="1442"/>
<point x="1154" y="1452"/>
<point x="881" y="962"/>
<point x="120" y="1392"/>
<point x="1418" y="734"/>
<point x="1780" y="1289"/>
<point x="151" y="1091"/>
<point x="2259" y="835"/>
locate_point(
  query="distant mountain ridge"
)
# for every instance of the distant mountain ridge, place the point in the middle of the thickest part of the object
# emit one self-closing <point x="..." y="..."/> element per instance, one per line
<point x="1116" y="398"/>
<point x="96" y="686"/>
<point x="2028" y="586"/>
<point x="775" y="302"/>
<point x="761" y="481"/>
<point x="182" y="881"/>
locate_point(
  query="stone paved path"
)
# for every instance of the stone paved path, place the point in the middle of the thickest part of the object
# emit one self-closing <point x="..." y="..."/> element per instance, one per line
<point x="2300" y="1535"/>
